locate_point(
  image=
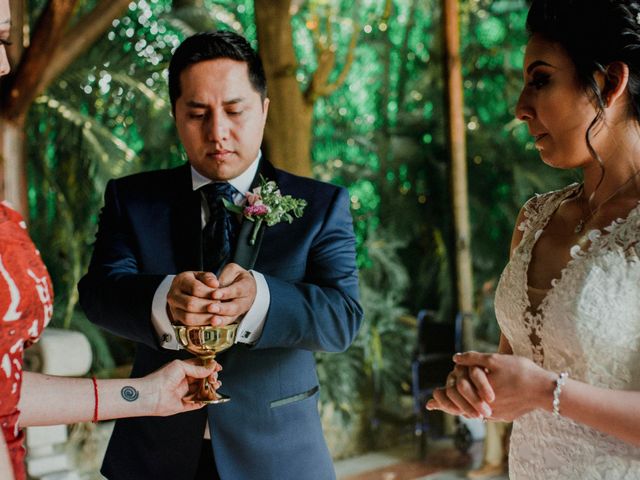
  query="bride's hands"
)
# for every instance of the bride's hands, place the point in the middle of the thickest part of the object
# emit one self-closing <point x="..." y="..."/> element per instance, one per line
<point x="520" y="385"/>
<point x="467" y="392"/>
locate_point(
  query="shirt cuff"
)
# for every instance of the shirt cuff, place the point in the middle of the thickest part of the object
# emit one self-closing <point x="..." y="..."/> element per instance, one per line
<point x="250" y="327"/>
<point x="160" y="318"/>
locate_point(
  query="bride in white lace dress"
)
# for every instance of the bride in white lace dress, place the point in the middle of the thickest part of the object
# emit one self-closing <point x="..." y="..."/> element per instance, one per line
<point x="568" y="302"/>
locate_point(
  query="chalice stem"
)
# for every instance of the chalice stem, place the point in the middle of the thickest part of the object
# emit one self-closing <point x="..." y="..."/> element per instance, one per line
<point x="204" y="342"/>
<point x="206" y="393"/>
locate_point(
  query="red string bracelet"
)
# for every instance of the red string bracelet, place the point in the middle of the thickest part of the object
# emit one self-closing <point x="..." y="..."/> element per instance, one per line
<point x="95" y="396"/>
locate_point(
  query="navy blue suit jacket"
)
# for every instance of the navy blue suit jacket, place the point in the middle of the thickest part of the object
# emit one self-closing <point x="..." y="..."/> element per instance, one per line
<point x="150" y="227"/>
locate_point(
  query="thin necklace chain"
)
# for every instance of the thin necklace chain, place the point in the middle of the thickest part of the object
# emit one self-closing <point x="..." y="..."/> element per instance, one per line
<point x="583" y="221"/>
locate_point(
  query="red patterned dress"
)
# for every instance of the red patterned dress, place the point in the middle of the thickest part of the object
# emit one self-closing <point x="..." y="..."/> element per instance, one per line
<point x="26" y="307"/>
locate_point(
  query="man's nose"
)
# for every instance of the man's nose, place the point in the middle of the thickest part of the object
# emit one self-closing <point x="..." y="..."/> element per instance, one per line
<point x="218" y="128"/>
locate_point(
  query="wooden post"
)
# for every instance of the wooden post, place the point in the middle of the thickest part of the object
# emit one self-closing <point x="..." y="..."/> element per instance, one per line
<point x="457" y="147"/>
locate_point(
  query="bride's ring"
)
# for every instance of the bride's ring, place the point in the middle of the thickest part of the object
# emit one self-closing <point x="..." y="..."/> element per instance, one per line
<point x="451" y="382"/>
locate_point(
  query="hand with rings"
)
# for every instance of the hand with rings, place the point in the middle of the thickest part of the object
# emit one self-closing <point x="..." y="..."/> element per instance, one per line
<point x="467" y="392"/>
<point x="496" y="381"/>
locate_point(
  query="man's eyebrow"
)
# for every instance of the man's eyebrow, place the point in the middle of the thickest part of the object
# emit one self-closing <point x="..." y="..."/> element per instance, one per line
<point x="194" y="104"/>
<point x="233" y="101"/>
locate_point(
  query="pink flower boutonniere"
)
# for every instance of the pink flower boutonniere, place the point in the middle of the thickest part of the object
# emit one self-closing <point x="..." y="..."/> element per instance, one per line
<point x="266" y="204"/>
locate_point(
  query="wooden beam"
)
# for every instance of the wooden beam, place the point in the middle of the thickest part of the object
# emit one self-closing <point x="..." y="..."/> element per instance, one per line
<point x="47" y="35"/>
<point x="458" y="149"/>
<point x="50" y="50"/>
<point x="53" y="48"/>
<point x="82" y="36"/>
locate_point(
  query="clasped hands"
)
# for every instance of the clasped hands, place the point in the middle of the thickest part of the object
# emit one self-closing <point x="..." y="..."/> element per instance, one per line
<point x="201" y="298"/>
<point x="493" y="386"/>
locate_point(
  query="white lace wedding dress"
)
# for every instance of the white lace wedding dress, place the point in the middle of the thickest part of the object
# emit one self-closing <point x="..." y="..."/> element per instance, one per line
<point x="587" y="324"/>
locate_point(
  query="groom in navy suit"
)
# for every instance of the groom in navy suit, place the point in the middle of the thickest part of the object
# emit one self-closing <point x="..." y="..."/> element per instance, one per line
<point x="162" y="256"/>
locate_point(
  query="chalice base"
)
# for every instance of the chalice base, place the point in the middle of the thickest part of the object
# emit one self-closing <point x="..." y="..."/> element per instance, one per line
<point x="214" y="398"/>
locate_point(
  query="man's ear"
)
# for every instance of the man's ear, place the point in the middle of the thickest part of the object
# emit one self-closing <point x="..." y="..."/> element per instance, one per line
<point x="616" y="79"/>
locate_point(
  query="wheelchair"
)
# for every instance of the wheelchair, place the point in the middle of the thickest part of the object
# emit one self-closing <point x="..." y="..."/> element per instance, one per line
<point x="437" y="342"/>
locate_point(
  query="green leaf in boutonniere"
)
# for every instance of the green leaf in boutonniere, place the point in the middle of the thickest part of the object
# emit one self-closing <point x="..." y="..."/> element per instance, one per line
<point x="266" y="204"/>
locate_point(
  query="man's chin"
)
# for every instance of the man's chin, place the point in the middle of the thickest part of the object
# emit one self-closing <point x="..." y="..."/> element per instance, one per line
<point x="218" y="171"/>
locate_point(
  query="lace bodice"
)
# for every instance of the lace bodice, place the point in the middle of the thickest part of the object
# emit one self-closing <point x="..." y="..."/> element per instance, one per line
<point x="588" y="324"/>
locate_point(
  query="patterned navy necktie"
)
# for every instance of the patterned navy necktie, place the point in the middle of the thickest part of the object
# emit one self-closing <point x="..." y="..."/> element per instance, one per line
<point x="218" y="235"/>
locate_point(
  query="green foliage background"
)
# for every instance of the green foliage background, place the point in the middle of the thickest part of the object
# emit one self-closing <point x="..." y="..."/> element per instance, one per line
<point x="382" y="134"/>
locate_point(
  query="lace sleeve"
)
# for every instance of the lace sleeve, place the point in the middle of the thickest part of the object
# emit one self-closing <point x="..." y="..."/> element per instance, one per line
<point x="539" y="207"/>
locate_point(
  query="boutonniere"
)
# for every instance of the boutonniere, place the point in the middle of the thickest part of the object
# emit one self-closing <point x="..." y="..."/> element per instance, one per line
<point x="266" y="204"/>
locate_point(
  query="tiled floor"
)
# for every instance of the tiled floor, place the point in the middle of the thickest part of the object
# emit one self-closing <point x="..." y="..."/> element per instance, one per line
<point x="443" y="462"/>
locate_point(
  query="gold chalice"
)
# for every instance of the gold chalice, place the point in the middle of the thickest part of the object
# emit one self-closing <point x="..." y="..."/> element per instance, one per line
<point x="205" y="342"/>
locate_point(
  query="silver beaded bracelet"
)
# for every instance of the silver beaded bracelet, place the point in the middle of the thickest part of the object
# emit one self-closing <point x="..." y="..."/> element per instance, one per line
<point x="560" y="381"/>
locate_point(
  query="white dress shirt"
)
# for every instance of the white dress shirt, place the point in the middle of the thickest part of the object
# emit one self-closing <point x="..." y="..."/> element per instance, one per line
<point x="251" y="324"/>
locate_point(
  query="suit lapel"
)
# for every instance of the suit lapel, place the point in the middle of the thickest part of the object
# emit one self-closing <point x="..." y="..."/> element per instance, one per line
<point x="246" y="254"/>
<point x="186" y="223"/>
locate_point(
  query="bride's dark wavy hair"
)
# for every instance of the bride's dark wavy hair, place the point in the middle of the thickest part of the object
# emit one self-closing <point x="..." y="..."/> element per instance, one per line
<point x="594" y="33"/>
